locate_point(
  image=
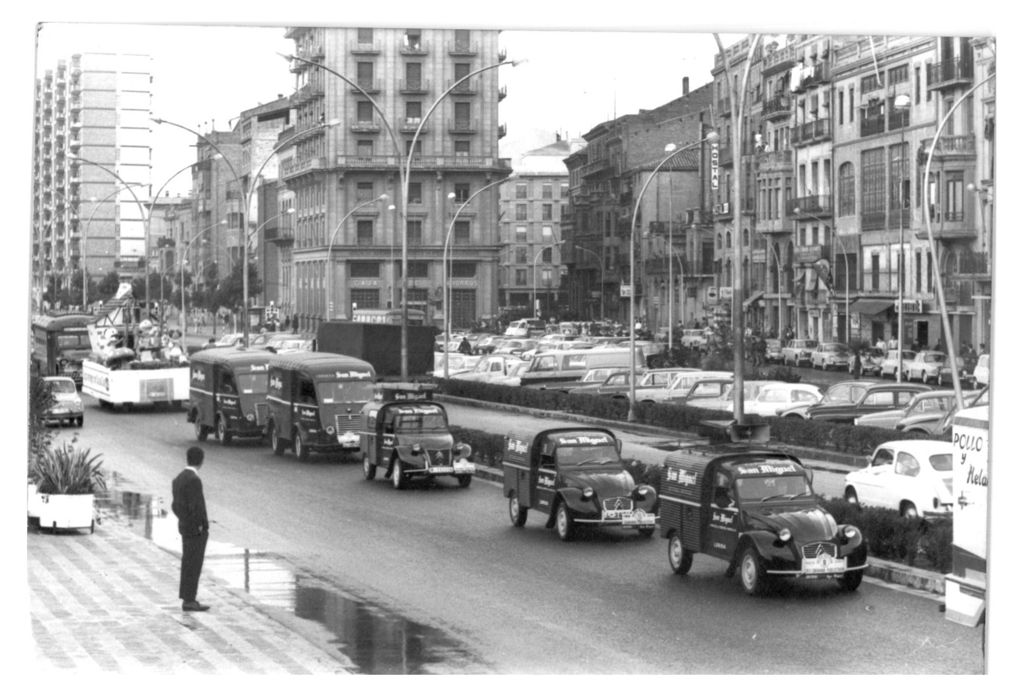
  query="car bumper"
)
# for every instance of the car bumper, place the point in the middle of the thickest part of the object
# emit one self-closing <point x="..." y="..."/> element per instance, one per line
<point x="637" y="519"/>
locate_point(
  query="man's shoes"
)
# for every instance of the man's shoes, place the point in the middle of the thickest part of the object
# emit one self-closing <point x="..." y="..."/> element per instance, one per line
<point x="194" y="606"/>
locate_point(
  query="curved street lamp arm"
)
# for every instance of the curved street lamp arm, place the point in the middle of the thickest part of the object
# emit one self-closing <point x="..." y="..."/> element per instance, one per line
<point x="939" y="292"/>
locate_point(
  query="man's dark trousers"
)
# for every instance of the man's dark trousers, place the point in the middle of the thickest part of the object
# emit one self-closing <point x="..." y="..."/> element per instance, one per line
<point x="193" y="550"/>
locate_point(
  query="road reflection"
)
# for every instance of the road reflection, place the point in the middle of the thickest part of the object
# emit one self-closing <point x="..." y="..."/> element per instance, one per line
<point x="376" y="641"/>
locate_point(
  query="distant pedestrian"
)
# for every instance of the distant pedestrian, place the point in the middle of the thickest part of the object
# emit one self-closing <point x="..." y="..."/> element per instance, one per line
<point x="465" y="347"/>
<point x="189" y="506"/>
<point x="858" y="367"/>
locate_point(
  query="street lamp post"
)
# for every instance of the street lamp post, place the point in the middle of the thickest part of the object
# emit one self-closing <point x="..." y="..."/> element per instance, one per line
<point x="329" y="286"/>
<point x="710" y="137"/>
<point x="404" y="170"/>
<point x="900" y="102"/>
<point x="600" y="265"/>
<point x="446" y="283"/>
<point x="181" y="268"/>
<point x="846" y="266"/>
<point x="536" y="256"/>
<point x="671" y="289"/>
<point x="85" y="244"/>
<point x="246" y="201"/>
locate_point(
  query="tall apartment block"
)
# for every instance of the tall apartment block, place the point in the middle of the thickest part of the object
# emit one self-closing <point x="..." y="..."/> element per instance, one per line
<point x="534" y="205"/>
<point x="343" y="248"/>
<point x="92" y="172"/>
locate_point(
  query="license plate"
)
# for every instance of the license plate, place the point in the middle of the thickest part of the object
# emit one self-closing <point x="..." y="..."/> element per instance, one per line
<point x="824" y="564"/>
<point x="440" y="470"/>
<point x="635" y="519"/>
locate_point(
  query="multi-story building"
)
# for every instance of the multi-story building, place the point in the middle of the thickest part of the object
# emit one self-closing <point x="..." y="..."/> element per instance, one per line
<point x="216" y="207"/>
<point x="92" y="171"/>
<point x="605" y="176"/>
<point x="349" y="139"/>
<point x="533" y="206"/>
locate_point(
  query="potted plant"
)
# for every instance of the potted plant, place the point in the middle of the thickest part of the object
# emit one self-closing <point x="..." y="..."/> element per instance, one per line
<point x="66" y="480"/>
<point x="39" y="435"/>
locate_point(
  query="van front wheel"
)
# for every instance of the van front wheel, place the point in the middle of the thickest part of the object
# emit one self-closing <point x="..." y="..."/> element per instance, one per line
<point x="752" y="573"/>
<point x="516" y="513"/>
<point x="679" y="558"/>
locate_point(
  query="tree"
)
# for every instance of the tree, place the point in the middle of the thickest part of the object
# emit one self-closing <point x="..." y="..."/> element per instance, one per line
<point x="107" y="286"/>
<point x="229" y="291"/>
<point x="40" y="399"/>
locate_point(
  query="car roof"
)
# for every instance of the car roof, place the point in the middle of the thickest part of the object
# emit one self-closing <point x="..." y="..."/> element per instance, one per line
<point x="926" y="444"/>
<point x="890" y="386"/>
<point x="57" y="378"/>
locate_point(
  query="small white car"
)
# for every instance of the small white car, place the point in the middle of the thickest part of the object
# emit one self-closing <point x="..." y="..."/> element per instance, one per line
<point x="925" y="366"/>
<point x="889" y="364"/>
<point x="913" y="477"/>
<point x="980" y="375"/>
<point x="772" y="399"/>
<point x="830" y="355"/>
<point x="67" y="403"/>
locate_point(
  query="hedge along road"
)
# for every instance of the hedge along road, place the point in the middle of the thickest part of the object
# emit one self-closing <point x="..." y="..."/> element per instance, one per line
<point x="648" y="445"/>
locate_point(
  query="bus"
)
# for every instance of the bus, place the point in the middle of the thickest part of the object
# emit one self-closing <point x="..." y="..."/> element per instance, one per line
<point x="59" y="344"/>
<point x="392" y="316"/>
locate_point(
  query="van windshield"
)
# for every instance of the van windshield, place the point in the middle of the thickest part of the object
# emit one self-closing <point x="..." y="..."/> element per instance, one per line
<point x="337" y="392"/>
<point x="252" y="383"/>
<point x="587" y="455"/>
<point x="758" y="489"/>
<point x="416" y="423"/>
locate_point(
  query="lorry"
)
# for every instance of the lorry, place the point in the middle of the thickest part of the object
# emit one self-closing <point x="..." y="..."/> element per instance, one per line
<point x="315" y="401"/>
<point x="228" y="393"/>
<point x="574" y="477"/>
<point x="754" y="508"/>
<point x="130" y="363"/>
<point x="59" y="345"/>
<point x="966" y="584"/>
<point x="406" y="432"/>
<point x="379" y="344"/>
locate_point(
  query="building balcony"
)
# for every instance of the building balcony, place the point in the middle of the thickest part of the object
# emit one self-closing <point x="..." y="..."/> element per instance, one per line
<point x="502" y="131"/>
<point x="774" y="226"/>
<point x="809" y="207"/>
<point x="776" y="108"/>
<point x="293" y="167"/>
<point x="455" y="162"/>
<point x="776" y="162"/>
<point x="280" y="236"/>
<point x="812" y="132"/>
<point x="413" y="48"/>
<point x="953" y="147"/>
<point x="897" y="219"/>
<point x="949" y="226"/>
<point x="808" y="254"/>
<point x="722" y="210"/>
<point x="365" y="48"/>
<point x="365" y="127"/>
<point x="725" y="107"/>
<point x="465" y="126"/>
<point x="595" y="167"/>
<point x="819" y="74"/>
<point x="414" y="86"/>
<point x="411" y="125"/>
<point x="959" y="292"/>
<point x="367" y="86"/>
<point x="779" y="60"/>
<point x="462" y="48"/>
<point x="466" y="87"/>
<point x="872" y="125"/>
<point x="950" y="73"/>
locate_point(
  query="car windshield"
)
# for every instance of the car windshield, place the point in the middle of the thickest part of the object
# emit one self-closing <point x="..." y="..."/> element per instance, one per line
<point x="587" y="455"/>
<point x="252" y="383"/>
<point x="331" y="392"/>
<point x="759" y="489"/>
<point x="62" y="386"/>
<point x="414" y="423"/>
<point x="942" y="462"/>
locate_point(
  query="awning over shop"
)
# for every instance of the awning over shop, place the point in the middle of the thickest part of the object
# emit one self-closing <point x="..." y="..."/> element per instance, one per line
<point x="867" y="306"/>
<point x="752" y="299"/>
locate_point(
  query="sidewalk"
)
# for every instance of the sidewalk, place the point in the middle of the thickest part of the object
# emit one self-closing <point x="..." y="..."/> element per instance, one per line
<point x="107" y="602"/>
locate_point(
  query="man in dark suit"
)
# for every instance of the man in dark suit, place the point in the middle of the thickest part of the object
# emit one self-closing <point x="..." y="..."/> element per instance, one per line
<point x="189" y="506"/>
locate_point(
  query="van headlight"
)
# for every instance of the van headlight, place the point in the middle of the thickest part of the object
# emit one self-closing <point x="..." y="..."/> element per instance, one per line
<point x="417" y="449"/>
<point x="330" y="430"/>
<point x="588" y="493"/>
<point x="785" y="535"/>
<point x="250" y="417"/>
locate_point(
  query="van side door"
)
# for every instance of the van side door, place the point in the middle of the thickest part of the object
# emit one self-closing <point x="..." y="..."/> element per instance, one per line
<point x="723" y="517"/>
<point x="200" y="392"/>
<point x="544" y="473"/>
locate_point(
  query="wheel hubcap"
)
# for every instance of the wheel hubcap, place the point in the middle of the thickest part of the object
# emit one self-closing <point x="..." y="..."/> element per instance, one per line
<point x="676" y="553"/>
<point x="513" y="507"/>
<point x="748" y="571"/>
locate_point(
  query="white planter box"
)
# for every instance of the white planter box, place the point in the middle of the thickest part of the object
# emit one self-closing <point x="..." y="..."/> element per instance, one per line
<point x="34" y="501"/>
<point x="66" y="511"/>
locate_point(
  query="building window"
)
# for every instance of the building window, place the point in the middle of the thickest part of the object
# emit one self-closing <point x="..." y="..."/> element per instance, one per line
<point x="918" y="269"/>
<point x="520" y="211"/>
<point x="364" y="269"/>
<point x="364" y="74"/>
<point x="840" y="109"/>
<point x="870" y="82"/>
<point x="461" y="71"/>
<point x="901" y="73"/>
<point x="415" y="192"/>
<point x="460" y="233"/>
<point x="418" y="148"/>
<point x="520" y="255"/>
<point x="917" y="84"/>
<point x="413" y="112"/>
<point x="520" y="233"/>
<point x="546" y="191"/>
<point x="419" y="269"/>
<point x="872" y="182"/>
<point x="414" y="232"/>
<point x="899" y="176"/>
<point x="364" y="191"/>
<point x="876" y="272"/>
<point x="545" y="255"/>
<point x="461" y="192"/>
<point x="366" y="298"/>
<point x="563" y="211"/>
<point x="847" y="189"/>
<point x="462" y="39"/>
<point x="364" y="112"/>
<point x="563" y="191"/>
<point x="546" y="211"/>
<point x="413" y="75"/>
<point x="463" y="269"/>
<point x="462" y="114"/>
<point x="520" y="277"/>
<point x="462" y="148"/>
<point x="364" y="149"/>
<point x="851" y="104"/>
<point x="546" y="233"/>
<point x="364" y="233"/>
<point x="521" y="190"/>
<point x="364" y="36"/>
<point x="412" y="39"/>
<point x="953" y="205"/>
